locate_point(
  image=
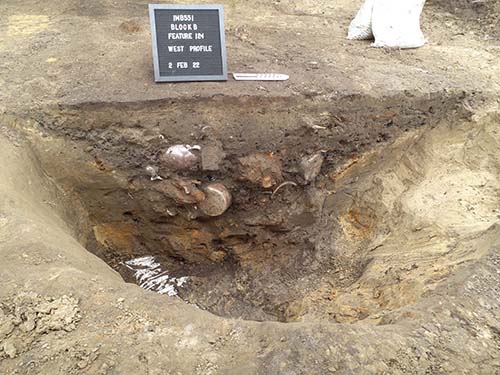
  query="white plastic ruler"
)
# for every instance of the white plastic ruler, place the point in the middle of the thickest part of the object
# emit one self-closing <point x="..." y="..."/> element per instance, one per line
<point x="260" y="77"/>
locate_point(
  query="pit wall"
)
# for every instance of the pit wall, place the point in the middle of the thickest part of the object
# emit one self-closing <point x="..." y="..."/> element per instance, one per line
<point x="99" y="150"/>
<point x="271" y="236"/>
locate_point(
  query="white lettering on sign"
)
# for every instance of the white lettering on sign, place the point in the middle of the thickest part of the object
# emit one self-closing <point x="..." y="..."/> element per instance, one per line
<point x="180" y="35"/>
<point x="183" y="27"/>
<point x="199" y="35"/>
<point x="182" y="65"/>
<point x="200" y="48"/>
<point x="183" y="18"/>
<point x="175" y="48"/>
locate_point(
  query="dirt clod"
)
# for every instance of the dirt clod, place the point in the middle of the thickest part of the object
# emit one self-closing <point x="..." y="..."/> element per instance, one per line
<point x="212" y="157"/>
<point x="181" y="190"/>
<point x="28" y="316"/>
<point x="311" y="166"/>
<point x="261" y="169"/>
<point x="9" y="348"/>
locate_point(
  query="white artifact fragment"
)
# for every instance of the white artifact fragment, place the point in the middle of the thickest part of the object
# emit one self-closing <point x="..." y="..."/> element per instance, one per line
<point x="181" y="156"/>
<point x="153" y="172"/>
<point x="393" y="23"/>
<point x="151" y="276"/>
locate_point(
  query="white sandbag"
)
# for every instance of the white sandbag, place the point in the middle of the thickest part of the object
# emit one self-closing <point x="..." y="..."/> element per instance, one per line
<point x="393" y="23"/>
<point x="396" y="23"/>
<point x="361" y="25"/>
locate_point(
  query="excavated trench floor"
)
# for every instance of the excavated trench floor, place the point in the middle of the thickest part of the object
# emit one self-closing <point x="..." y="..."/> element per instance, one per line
<point x="340" y="211"/>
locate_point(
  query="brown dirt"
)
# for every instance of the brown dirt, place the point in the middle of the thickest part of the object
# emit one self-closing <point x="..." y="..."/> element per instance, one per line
<point x="385" y="262"/>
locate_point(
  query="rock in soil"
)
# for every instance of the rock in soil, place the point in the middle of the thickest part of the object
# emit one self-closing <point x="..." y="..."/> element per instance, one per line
<point x="181" y="190"/>
<point x="261" y="169"/>
<point x="212" y="157"/>
<point x="9" y="349"/>
<point x="217" y="201"/>
<point x="181" y="157"/>
<point x="311" y="166"/>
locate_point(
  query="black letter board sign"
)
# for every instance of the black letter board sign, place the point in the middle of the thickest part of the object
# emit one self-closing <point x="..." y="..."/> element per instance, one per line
<point x="188" y="42"/>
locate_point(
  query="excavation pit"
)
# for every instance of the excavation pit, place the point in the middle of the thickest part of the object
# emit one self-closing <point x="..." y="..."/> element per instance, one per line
<point x="382" y="219"/>
<point x="368" y="244"/>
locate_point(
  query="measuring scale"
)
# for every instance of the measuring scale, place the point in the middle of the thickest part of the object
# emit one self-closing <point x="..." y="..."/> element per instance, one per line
<point x="260" y="77"/>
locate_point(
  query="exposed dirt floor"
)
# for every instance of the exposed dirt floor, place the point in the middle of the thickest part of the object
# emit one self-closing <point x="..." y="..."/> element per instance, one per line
<point x="346" y="221"/>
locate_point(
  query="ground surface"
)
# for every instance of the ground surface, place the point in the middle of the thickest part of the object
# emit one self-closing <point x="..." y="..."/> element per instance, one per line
<point x="386" y="262"/>
<point x="63" y="53"/>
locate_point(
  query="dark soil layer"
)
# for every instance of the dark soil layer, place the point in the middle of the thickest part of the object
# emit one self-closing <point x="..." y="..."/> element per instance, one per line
<point x="247" y="262"/>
